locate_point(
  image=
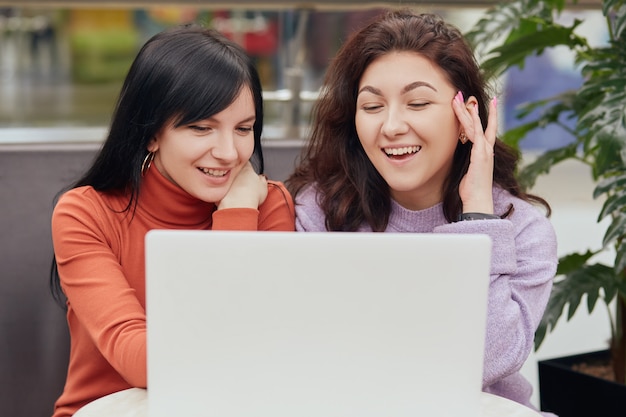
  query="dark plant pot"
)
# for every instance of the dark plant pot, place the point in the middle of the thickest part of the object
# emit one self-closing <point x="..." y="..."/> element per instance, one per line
<point x="569" y="393"/>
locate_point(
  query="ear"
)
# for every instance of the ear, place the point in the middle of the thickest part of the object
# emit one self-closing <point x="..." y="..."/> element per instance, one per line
<point x="471" y="102"/>
<point x="153" y="145"/>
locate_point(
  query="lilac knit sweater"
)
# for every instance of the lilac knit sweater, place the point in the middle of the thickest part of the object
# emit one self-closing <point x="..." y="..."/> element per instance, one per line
<point x="524" y="260"/>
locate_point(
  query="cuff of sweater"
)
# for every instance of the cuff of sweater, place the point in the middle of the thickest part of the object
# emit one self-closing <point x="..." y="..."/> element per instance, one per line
<point x="502" y="234"/>
<point x="236" y="219"/>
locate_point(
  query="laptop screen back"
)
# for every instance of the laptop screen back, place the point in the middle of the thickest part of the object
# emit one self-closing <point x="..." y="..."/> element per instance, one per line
<point x="278" y="324"/>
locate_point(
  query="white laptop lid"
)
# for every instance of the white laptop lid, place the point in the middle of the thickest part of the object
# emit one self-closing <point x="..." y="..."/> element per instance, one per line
<point x="279" y="324"/>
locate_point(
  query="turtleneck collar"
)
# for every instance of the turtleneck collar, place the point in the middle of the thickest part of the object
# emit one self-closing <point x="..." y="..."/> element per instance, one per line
<point x="415" y="221"/>
<point x="170" y="205"/>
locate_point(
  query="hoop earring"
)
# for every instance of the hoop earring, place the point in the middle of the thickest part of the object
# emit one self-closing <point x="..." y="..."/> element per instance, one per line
<point x="463" y="138"/>
<point x="147" y="161"/>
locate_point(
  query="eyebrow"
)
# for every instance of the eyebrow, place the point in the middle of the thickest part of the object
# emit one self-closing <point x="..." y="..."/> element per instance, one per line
<point x="417" y="84"/>
<point x="405" y="90"/>
<point x="249" y="119"/>
<point x="246" y="120"/>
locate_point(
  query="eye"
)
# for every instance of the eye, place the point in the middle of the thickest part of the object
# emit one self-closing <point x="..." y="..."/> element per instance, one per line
<point x="245" y="130"/>
<point x="200" y="129"/>
<point x="418" y="106"/>
<point x="371" y="108"/>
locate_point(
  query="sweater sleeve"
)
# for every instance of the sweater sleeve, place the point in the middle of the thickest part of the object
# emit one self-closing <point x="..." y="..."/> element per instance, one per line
<point x="96" y="287"/>
<point x="275" y="214"/>
<point x="523" y="265"/>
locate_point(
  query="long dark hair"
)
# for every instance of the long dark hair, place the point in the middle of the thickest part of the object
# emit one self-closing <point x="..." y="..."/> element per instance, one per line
<point x="181" y="75"/>
<point x="351" y="191"/>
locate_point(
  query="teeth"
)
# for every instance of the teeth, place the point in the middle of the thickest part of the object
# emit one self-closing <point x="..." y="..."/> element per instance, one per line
<point x="214" y="172"/>
<point x="402" y="151"/>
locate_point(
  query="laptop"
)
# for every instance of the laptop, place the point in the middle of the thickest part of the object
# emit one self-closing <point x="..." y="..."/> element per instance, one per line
<point x="284" y="324"/>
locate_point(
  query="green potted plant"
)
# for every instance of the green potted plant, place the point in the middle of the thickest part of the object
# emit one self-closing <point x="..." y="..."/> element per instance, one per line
<point x="514" y="31"/>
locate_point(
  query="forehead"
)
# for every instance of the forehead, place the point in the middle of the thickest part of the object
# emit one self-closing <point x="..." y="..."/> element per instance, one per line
<point x="403" y="67"/>
<point x="245" y="95"/>
<point x="242" y="105"/>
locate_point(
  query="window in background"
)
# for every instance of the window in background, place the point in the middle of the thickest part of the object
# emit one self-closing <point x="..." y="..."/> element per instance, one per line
<point x="64" y="67"/>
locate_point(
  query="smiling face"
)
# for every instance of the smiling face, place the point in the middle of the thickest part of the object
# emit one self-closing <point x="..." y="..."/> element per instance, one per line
<point x="406" y="125"/>
<point x="203" y="158"/>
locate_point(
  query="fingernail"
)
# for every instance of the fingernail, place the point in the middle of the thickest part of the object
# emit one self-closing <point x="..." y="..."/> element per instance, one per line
<point x="495" y="101"/>
<point x="459" y="97"/>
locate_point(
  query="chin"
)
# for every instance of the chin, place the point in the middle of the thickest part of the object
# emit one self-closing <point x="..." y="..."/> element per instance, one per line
<point x="401" y="187"/>
<point x="210" y="198"/>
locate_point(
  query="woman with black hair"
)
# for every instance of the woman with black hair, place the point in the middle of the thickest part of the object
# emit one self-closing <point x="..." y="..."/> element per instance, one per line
<point x="181" y="153"/>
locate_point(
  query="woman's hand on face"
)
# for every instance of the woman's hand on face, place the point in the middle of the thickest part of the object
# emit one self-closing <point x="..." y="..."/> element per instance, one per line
<point x="248" y="190"/>
<point x="475" y="188"/>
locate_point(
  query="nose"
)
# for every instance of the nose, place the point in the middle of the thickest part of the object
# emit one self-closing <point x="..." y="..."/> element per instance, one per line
<point x="394" y="123"/>
<point x="224" y="148"/>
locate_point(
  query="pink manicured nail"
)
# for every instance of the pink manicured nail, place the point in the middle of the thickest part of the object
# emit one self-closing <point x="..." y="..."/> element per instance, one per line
<point x="459" y="97"/>
<point x="495" y="101"/>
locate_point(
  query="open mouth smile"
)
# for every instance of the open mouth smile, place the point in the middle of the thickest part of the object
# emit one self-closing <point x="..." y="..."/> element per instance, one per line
<point x="214" y="172"/>
<point x="401" y="152"/>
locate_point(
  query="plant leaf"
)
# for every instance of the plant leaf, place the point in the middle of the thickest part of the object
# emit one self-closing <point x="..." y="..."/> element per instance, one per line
<point x="530" y="42"/>
<point x="499" y="20"/>
<point x="572" y="262"/>
<point x="514" y="135"/>
<point x="602" y="115"/>
<point x="608" y="154"/>
<point x="620" y="261"/>
<point x="613" y="203"/>
<point x="563" y="101"/>
<point x="617" y="229"/>
<point x="620" y="22"/>
<point x="618" y="7"/>
<point x="609" y="184"/>
<point x="581" y="280"/>
<point x="542" y="165"/>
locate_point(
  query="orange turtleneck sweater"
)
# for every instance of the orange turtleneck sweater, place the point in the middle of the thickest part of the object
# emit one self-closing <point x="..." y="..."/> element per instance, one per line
<point x="99" y="249"/>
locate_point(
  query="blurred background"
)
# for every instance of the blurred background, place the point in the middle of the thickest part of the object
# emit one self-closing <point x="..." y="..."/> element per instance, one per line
<point x="62" y="64"/>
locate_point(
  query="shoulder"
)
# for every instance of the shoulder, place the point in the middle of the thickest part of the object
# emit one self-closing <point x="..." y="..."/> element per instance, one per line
<point x="277" y="194"/>
<point x="277" y="189"/>
<point x="309" y="215"/>
<point x="86" y="205"/>
<point x="277" y="211"/>
<point x="525" y="215"/>
<point x="78" y="199"/>
<point x="278" y="200"/>
<point x="503" y="200"/>
<point x="309" y="195"/>
<point x="87" y="197"/>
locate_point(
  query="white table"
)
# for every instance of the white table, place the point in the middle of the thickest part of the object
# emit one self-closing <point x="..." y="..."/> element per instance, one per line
<point x="134" y="403"/>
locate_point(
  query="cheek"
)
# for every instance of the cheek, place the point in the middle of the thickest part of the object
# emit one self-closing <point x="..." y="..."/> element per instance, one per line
<point x="444" y="126"/>
<point x="364" y="129"/>
<point x="245" y="148"/>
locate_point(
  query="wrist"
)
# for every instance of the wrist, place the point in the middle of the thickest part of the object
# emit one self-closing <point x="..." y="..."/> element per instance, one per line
<point x="237" y="203"/>
<point x="477" y="216"/>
